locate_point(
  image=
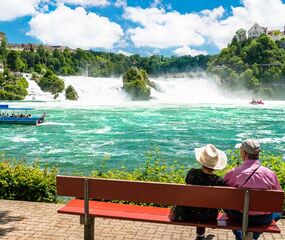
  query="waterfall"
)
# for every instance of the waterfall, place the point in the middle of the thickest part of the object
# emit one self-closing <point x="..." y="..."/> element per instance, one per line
<point x="108" y="91"/>
<point x="35" y="92"/>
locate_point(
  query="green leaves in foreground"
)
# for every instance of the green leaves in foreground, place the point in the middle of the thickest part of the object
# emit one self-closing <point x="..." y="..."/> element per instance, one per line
<point x="20" y="181"/>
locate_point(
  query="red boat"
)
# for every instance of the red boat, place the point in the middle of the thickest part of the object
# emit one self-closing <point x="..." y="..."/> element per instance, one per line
<point x="256" y="102"/>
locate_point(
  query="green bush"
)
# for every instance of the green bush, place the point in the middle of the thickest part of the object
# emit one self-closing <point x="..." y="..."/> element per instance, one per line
<point x="136" y="84"/>
<point x="51" y="83"/>
<point x="12" y="86"/>
<point x="70" y="93"/>
<point x="155" y="169"/>
<point x="4" y="95"/>
<point x="20" y="181"/>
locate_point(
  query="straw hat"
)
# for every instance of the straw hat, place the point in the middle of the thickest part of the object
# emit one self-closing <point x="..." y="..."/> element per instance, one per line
<point x="211" y="157"/>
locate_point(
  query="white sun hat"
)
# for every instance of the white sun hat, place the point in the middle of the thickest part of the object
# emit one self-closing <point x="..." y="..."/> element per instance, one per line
<point x="211" y="157"/>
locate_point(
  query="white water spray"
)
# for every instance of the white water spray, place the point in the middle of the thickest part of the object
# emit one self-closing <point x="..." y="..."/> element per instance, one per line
<point x="108" y="92"/>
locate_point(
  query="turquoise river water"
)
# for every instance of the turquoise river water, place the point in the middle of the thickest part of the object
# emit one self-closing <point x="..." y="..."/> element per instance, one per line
<point x="77" y="136"/>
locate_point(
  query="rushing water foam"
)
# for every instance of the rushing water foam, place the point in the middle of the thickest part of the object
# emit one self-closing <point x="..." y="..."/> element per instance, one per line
<point x="108" y="91"/>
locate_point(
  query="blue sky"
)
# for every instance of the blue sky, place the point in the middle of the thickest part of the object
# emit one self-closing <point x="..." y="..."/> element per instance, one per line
<point x="146" y="27"/>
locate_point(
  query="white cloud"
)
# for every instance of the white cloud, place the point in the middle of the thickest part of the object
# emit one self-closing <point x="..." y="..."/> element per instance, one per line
<point x="160" y="28"/>
<point x="75" y="28"/>
<point x="267" y="13"/>
<point x="121" y="3"/>
<point x="86" y="2"/>
<point x="12" y="9"/>
<point x="156" y="3"/>
<point x="185" y="50"/>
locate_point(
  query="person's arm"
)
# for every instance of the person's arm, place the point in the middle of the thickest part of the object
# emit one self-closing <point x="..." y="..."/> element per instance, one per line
<point x="229" y="179"/>
<point x="221" y="182"/>
<point x="277" y="185"/>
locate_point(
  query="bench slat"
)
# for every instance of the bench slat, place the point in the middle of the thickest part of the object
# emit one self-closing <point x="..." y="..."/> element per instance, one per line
<point x="149" y="214"/>
<point x="171" y="194"/>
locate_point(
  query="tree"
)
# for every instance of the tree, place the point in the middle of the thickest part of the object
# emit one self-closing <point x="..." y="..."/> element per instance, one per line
<point x="3" y="49"/>
<point x="51" y="83"/>
<point x="250" y="81"/>
<point x="241" y="35"/>
<point x="70" y="93"/>
<point x="136" y="84"/>
<point x="14" y="62"/>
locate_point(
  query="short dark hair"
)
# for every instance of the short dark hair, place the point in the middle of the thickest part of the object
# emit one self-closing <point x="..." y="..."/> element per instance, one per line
<point x="253" y="156"/>
<point x="210" y="169"/>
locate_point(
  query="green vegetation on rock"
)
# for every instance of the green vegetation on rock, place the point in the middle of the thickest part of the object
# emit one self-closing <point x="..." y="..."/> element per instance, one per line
<point x="12" y="86"/>
<point x="250" y="64"/>
<point x="70" y="93"/>
<point x="49" y="82"/>
<point x="137" y="84"/>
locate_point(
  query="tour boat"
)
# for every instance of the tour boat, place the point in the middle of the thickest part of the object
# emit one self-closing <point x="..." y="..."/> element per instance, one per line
<point x="256" y="102"/>
<point x="19" y="116"/>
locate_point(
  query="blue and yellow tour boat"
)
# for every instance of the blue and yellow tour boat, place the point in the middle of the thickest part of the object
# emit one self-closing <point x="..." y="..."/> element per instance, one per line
<point x="19" y="116"/>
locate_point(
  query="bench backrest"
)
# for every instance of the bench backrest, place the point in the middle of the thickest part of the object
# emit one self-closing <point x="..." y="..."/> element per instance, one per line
<point x="171" y="194"/>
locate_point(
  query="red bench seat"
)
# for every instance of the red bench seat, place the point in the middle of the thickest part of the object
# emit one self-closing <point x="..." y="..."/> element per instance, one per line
<point x="150" y="214"/>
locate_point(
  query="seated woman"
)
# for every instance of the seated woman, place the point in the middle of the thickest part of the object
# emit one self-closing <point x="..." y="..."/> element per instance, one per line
<point x="210" y="159"/>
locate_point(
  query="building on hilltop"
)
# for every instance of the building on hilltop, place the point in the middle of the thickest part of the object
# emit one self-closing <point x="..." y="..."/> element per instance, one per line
<point x="22" y="46"/>
<point x="31" y="46"/>
<point x="276" y="35"/>
<point x="255" y="31"/>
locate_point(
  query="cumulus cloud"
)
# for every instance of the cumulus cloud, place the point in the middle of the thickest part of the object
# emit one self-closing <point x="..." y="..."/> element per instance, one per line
<point x="163" y="29"/>
<point x="121" y="3"/>
<point x="156" y="3"/>
<point x="75" y="28"/>
<point x="267" y="13"/>
<point x="86" y="2"/>
<point x="185" y="50"/>
<point x="160" y="29"/>
<point x="12" y="9"/>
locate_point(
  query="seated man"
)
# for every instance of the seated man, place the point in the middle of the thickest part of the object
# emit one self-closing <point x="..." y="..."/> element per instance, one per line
<point x="252" y="175"/>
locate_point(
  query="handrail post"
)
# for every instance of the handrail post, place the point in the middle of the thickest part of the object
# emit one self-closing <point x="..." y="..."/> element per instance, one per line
<point x="245" y="236"/>
<point x="88" y="221"/>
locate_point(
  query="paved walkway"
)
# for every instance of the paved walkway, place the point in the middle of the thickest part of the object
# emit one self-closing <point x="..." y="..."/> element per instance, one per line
<point x="29" y="220"/>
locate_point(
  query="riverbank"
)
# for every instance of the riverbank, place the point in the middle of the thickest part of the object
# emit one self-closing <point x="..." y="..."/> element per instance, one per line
<point x="30" y="220"/>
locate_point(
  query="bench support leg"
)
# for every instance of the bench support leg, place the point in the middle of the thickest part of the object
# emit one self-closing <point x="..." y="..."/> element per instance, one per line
<point x="249" y="236"/>
<point x="88" y="228"/>
<point x="245" y="216"/>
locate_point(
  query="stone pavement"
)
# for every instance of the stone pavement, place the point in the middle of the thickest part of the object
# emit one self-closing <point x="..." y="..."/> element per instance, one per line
<point x="30" y="220"/>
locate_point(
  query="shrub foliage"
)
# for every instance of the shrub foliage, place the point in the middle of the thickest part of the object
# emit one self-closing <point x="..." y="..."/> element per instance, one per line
<point x="20" y="181"/>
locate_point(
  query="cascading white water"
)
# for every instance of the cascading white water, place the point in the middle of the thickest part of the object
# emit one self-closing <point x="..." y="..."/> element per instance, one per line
<point x="187" y="90"/>
<point x="108" y="91"/>
<point x="97" y="91"/>
<point x="35" y="92"/>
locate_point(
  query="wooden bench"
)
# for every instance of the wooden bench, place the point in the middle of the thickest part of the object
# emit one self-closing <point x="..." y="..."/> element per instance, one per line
<point x="83" y="189"/>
